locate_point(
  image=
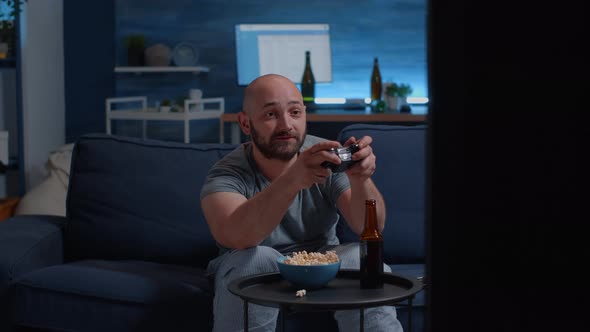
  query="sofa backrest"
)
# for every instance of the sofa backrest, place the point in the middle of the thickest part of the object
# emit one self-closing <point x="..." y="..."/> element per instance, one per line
<point x="400" y="177"/>
<point x="139" y="199"/>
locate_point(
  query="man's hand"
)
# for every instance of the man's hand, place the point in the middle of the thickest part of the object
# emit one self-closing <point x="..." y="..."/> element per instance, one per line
<point x="308" y="168"/>
<point x="365" y="165"/>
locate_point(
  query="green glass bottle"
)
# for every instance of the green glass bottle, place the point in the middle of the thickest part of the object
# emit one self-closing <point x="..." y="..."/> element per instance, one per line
<point x="308" y="81"/>
<point x="376" y="83"/>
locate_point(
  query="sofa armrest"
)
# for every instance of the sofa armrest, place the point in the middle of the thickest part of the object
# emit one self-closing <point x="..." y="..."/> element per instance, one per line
<point x="29" y="242"/>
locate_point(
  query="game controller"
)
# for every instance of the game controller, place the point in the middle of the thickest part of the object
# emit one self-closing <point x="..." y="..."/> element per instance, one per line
<point x="345" y="154"/>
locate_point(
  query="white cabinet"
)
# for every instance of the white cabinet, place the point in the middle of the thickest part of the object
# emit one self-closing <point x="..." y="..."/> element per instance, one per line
<point x="206" y="108"/>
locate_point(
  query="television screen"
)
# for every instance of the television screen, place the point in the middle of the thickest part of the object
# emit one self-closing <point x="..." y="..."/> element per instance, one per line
<point x="280" y="49"/>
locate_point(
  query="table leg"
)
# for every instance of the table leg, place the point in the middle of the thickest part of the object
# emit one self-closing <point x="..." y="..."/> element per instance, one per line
<point x="108" y="125"/>
<point x="186" y="131"/>
<point x="235" y="133"/>
<point x="282" y="314"/>
<point x="362" y="319"/>
<point x="221" y="130"/>
<point x="410" y="314"/>
<point x="246" y="323"/>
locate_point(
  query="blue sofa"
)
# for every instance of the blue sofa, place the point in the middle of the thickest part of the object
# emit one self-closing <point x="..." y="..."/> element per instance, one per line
<point x="131" y="252"/>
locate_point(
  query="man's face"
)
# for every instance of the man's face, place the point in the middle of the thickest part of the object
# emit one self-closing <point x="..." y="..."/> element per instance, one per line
<point x="281" y="145"/>
<point x="278" y="122"/>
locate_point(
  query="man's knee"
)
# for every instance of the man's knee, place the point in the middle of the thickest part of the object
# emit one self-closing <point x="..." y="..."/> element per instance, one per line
<point x="349" y="256"/>
<point x="259" y="259"/>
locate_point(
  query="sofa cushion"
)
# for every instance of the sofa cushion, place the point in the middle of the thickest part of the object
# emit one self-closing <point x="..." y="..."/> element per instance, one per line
<point x="400" y="176"/>
<point x="139" y="200"/>
<point x="97" y="295"/>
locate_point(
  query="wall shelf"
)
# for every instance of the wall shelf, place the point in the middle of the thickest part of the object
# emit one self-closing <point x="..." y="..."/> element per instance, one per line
<point x="167" y="69"/>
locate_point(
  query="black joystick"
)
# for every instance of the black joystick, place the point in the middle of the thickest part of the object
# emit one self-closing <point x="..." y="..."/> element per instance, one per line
<point x="345" y="154"/>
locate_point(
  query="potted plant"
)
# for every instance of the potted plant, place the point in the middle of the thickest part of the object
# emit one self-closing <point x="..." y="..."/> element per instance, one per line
<point x="8" y="27"/>
<point x="165" y="105"/>
<point x="7" y="39"/>
<point x="396" y="95"/>
<point x="179" y="104"/>
<point x="135" y="50"/>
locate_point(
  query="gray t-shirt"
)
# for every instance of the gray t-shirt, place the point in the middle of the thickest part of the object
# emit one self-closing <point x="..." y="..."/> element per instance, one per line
<point x="310" y="222"/>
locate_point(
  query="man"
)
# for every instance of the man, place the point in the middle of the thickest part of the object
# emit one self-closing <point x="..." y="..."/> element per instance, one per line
<point x="272" y="196"/>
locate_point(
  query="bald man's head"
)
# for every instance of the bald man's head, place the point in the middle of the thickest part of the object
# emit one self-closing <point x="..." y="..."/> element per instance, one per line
<point x="266" y="87"/>
<point x="273" y="114"/>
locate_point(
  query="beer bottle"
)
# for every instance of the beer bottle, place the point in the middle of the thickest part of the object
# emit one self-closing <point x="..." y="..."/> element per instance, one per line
<point x="371" y="249"/>
<point x="376" y="84"/>
<point x="308" y="81"/>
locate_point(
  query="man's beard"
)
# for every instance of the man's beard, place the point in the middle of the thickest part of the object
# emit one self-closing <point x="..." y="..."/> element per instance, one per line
<point x="281" y="150"/>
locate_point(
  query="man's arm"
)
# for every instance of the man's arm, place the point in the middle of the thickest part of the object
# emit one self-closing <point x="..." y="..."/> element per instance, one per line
<point x="352" y="202"/>
<point x="238" y="222"/>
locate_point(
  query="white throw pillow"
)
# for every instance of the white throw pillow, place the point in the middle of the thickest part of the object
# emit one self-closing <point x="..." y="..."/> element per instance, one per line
<point x="49" y="197"/>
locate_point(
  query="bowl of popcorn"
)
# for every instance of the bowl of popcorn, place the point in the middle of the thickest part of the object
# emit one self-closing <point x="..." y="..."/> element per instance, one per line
<point x="311" y="270"/>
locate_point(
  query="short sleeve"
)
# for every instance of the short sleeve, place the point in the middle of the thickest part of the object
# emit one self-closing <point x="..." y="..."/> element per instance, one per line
<point x="230" y="174"/>
<point x="222" y="179"/>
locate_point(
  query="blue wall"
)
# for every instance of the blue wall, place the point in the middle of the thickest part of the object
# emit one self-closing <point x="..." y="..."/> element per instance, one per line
<point x="393" y="30"/>
<point x="88" y="64"/>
